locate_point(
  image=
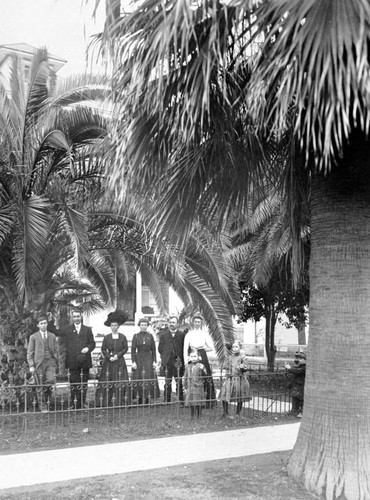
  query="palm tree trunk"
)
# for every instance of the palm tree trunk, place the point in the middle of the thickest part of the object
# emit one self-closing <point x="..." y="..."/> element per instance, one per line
<point x="332" y="453"/>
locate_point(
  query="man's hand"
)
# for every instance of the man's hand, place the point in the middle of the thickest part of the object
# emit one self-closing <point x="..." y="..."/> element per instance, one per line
<point x="32" y="369"/>
<point x="85" y="350"/>
<point x="134" y="365"/>
<point x="154" y="365"/>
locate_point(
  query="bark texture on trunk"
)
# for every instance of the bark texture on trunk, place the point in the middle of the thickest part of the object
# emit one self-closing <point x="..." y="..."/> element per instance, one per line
<point x="332" y="453"/>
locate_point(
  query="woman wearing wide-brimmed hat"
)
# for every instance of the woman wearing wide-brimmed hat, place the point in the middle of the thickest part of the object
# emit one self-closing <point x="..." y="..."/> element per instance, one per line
<point x="114" y="375"/>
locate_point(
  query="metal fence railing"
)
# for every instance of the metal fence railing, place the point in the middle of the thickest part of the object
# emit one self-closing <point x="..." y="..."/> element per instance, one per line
<point x="98" y="404"/>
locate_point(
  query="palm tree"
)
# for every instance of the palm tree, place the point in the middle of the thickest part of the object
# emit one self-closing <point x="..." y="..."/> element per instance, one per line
<point x="50" y="169"/>
<point x="201" y="87"/>
<point x="57" y="243"/>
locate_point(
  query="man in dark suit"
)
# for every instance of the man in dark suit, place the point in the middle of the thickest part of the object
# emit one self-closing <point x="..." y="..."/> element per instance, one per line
<point x="42" y="360"/>
<point x="79" y="345"/>
<point x="171" y="346"/>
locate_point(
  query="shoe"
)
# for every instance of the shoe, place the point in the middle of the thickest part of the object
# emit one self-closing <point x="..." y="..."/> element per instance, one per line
<point x="299" y="415"/>
<point x="86" y="406"/>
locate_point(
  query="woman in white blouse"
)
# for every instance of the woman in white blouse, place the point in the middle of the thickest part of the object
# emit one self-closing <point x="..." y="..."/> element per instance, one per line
<point x="197" y="339"/>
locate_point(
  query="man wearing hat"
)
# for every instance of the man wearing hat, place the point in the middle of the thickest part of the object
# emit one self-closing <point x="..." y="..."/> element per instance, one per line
<point x="42" y="360"/>
<point x="79" y="345"/>
<point x="297" y="386"/>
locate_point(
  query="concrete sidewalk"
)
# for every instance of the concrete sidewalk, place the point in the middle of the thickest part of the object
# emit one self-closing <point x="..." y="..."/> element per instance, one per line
<point x="90" y="461"/>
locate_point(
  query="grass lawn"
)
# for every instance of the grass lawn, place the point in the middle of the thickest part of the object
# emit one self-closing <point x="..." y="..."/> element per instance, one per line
<point x="91" y="427"/>
<point x="257" y="477"/>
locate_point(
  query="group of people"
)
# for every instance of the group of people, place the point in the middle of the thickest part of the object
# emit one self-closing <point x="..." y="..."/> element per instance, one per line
<point x="183" y="357"/>
<point x="174" y="348"/>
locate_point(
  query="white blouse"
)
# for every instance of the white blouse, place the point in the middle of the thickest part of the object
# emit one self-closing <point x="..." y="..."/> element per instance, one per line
<point x="196" y="339"/>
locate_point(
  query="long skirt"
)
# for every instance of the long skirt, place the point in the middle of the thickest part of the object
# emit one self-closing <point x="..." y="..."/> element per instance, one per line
<point x="195" y="394"/>
<point x="235" y="390"/>
<point x="209" y="387"/>
<point x="113" y="387"/>
<point x="144" y="379"/>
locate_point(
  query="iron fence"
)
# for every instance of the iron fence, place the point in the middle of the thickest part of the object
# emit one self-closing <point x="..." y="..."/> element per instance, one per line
<point x="108" y="404"/>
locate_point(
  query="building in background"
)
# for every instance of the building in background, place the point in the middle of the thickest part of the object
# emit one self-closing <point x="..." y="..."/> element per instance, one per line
<point x="25" y="53"/>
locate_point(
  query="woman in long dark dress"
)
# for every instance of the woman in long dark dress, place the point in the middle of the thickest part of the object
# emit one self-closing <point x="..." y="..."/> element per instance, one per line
<point x="113" y="380"/>
<point x="144" y="361"/>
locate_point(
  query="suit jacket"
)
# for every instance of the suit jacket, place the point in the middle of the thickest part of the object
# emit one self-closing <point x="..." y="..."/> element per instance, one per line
<point x="35" y="350"/>
<point x="168" y="345"/>
<point x="75" y="342"/>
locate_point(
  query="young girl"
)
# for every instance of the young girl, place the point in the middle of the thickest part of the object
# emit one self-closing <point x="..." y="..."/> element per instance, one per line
<point x="236" y="387"/>
<point x="194" y="384"/>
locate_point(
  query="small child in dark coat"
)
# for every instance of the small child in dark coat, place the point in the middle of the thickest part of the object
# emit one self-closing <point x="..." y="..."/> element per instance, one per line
<point x="194" y="384"/>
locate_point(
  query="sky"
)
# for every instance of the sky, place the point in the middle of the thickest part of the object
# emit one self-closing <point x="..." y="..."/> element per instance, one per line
<point x="64" y="27"/>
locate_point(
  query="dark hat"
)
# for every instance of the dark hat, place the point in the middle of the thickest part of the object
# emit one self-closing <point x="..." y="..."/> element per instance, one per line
<point x="299" y="354"/>
<point x="117" y="316"/>
<point x="41" y="317"/>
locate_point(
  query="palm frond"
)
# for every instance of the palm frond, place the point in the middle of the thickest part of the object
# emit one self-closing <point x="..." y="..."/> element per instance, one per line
<point x="30" y="242"/>
<point x="74" y="223"/>
<point x="7" y="222"/>
<point x="78" y="89"/>
<point x="158" y="287"/>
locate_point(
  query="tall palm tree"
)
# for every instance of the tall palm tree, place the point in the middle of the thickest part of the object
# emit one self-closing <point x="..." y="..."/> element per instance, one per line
<point x="50" y="167"/>
<point x="187" y="70"/>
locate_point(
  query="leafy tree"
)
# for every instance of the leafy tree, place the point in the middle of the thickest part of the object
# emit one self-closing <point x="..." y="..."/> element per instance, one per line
<point x="275" y="299"/>
<point x="203" y="91"/>
<point x="261" y="254"/>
